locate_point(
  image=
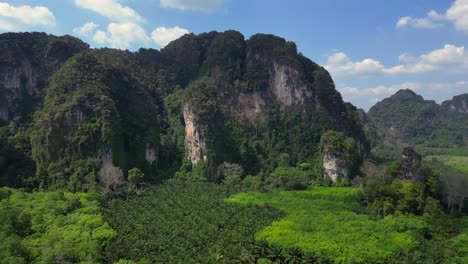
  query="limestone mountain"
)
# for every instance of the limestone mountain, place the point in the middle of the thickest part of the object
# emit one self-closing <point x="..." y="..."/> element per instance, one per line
<point x="27" y="60"/>
<point x="200" y="101"/>
<point x="457" y="103"/>
<point x="406" y="118"/>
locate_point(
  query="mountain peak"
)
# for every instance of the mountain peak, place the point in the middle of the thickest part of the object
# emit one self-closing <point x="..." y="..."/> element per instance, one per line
<point x="407" y="96"/>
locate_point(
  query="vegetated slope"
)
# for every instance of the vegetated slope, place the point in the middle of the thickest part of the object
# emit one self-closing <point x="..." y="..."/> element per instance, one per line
<point x="27" y="60"/>
<point x="321" y="222"/>
<point x="51" y="227"/>
<point x="98" y="119"/>
<point x="200" y="101"/>
<point x="185" y="223"/>
<point x="406" y="118"/>
<point x="249" y="101"/>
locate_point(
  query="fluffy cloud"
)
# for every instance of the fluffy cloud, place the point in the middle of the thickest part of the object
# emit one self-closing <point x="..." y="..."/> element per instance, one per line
<point x="340" y="64"/>
<point x="450" y="59"/>
<point x="457" y="14"/>
<point x="195" y="5"/>
<point x="86" y="30"/>
<point x="162" y="35"/>
<point x="22" y="17"/>
<point x="111" y="9"/>
<point x="122" y="36"/>
<point x="438" y="92"/>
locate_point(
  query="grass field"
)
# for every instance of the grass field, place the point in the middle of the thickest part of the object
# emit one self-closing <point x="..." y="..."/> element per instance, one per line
<point x="321" y="221"/>
<point x="460" y="163"/>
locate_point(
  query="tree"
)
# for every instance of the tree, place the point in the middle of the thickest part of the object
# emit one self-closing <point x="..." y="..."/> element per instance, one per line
<point x="230" y="173"/>
<point x="111" y="179"/>
<point x="456" y="191"/>
<point x="135" y="176"/>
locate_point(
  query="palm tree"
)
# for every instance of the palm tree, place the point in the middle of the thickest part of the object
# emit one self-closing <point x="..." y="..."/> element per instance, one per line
<point x="294" y="255"/>
<point x="275" y="253"/>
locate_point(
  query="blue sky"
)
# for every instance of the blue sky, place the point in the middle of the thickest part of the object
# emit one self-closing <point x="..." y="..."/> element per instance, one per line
<point x="372" y="48"/>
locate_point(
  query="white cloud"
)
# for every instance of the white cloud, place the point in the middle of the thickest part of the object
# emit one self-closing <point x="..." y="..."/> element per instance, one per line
<point x="22" y="17"/>
<point x="457" y="14"/>
<point x="86" y="30"/>
<point x="194" y="5"/>
<point x="408" y="21"/>
<point x="162" y="35"/>
<point x="111" y="9"/>
<point x="450" y="58"/>
<point x="122" y="36"/>
<point x="366" y="97"/>
<point x="340" y="64"/>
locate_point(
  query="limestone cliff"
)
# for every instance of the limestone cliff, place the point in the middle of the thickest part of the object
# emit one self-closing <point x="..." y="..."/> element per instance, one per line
<point x="410" y="166"/>
<point x="340" y="155"/>
<point x="458" y="104"/>
<point x="335" y="166"/>
<point x="27" y="60"/>
<point x="272" y="96"/>
<point x="195" y="144"/>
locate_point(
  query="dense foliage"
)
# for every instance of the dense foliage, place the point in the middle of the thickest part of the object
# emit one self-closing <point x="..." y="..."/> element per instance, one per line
<point x="184" y="223"/>
<point x="321" y="223"/>
<point x="406" y="118"/>
<point x="53" y="227"/>
<point x="95" y="110"/>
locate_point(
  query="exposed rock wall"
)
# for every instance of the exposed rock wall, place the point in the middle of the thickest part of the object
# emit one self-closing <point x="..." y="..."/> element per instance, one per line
<point x="335" y="166"/>
<point x="27" y="60"/>
<point x="410" y="168"/>
<point x="287" y="86"/>
<point x="458" y="103"/>
<point x="151" y="154"/>
<point x="195" y="144"/>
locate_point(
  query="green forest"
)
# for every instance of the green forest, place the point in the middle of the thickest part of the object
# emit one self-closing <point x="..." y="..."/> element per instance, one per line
<point x="219" y="149"/>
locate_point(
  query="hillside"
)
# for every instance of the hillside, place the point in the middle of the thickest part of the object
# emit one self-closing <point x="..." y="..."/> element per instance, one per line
<point x="200" y="101"/>
<point x="218" y="149"/>
<point x="406" y="118"/>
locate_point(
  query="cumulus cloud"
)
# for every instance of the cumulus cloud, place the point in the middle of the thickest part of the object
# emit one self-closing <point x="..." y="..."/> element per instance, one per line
<point x="340" y="64"/>
<point x="122" y="36"/>
<point x="162" y="35"/>
<point x="111" y="9"/>
<point x="22" y="17"/>
<point x="366" y="97"/>
<point x="457" y="14"/>
<point x="450" y="59"/>
<point x="85" y="30"/>
<point x="194" y="5"/>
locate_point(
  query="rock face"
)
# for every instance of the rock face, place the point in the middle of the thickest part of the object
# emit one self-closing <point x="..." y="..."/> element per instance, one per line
<point x="261" y="84"/>
<point x="340" y="155"/>
<point x="215" y="97"/>
<point x="458" y="104"/>
<point x="335" y="166"/>
<point x="194" y="141"/>
<point x="151" y="154"/>
<point x="27" y="60"/>
<point x="287" y="85"/>
<point x="410" y="168"/>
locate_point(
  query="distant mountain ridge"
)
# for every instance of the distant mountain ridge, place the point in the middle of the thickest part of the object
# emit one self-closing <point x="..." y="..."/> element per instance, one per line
<point x="407" y="118"/>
